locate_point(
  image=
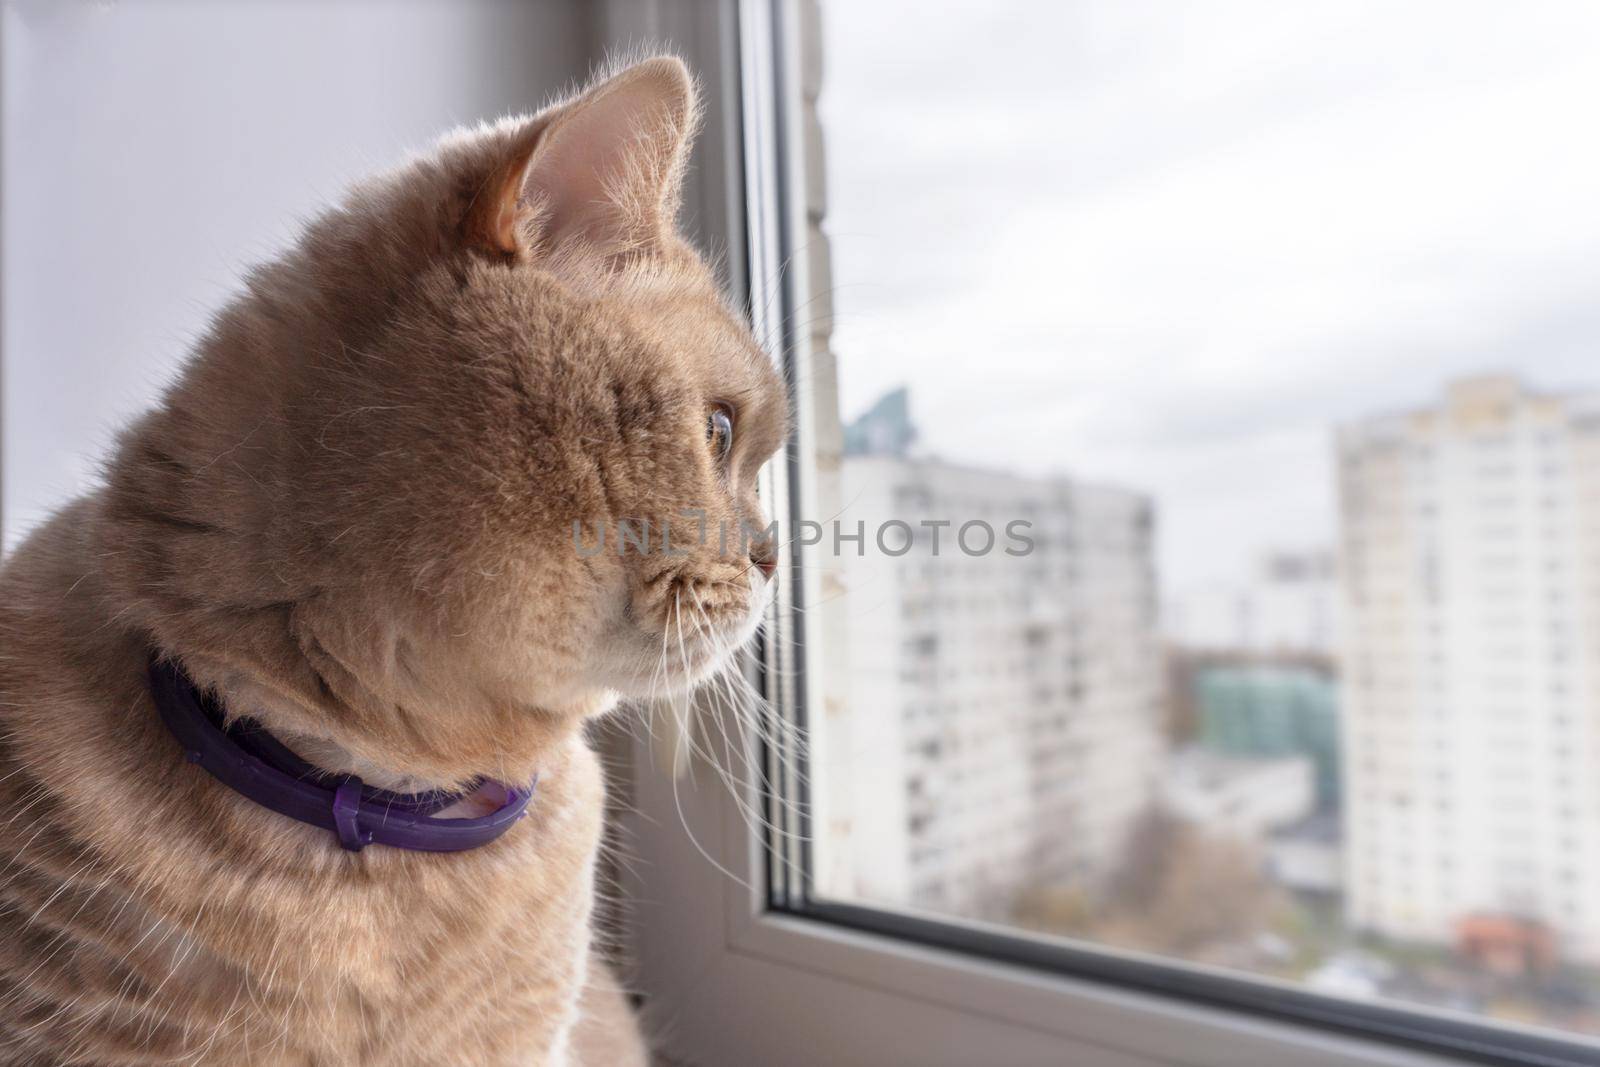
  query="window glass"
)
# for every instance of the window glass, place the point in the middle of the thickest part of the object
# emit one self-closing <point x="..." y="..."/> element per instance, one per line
<point x="1207" y="467"/>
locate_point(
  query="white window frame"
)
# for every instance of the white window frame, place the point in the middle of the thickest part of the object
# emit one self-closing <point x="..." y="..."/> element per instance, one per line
<point x="727" y="979"/>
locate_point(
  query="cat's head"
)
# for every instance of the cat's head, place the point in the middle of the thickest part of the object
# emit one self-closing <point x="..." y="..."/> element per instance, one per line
<point x="406" y="442"/>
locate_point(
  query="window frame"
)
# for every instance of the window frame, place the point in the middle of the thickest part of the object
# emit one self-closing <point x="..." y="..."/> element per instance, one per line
<point x="737" y="963"/>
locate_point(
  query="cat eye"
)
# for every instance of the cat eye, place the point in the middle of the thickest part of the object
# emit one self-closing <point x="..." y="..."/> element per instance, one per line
<point x="719" y="431"/>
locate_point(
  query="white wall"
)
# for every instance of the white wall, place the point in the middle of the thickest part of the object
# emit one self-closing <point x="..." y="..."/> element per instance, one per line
<point x="152" y="150"/>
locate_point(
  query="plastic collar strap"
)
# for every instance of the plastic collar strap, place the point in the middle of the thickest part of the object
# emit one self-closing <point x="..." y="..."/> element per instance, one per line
<point x="253" y="763"/>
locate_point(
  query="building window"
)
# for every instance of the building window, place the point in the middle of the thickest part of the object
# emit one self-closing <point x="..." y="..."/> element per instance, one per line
<point x="1095" y="293"/>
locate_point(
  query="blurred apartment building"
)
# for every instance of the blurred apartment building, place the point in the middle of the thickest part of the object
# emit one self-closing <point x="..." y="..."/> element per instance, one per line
<point x="1005" y="709"/>
<point x="1471" y="667"/>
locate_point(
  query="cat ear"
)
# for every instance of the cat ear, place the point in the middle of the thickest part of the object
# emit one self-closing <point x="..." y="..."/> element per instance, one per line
<point x="605" y="170"/>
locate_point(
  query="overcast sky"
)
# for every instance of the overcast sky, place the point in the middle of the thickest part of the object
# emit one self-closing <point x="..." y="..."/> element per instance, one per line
<point x="1170" y="245"/>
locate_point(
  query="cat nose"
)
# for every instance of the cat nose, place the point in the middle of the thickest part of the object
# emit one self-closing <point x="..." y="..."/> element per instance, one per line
<point x="765" y="559"/>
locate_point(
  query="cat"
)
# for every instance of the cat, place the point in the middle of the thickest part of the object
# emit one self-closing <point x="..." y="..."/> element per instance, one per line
<point x="351" y="521"/>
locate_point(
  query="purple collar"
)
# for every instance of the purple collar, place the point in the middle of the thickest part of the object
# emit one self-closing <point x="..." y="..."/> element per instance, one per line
<point x="247" y="759"/>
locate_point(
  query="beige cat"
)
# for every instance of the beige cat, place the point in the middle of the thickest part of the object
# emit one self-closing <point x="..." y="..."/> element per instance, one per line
<point x="352" y="518"/>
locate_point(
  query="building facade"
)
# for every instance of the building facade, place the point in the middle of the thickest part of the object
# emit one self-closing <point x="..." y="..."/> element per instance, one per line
<point x="1008" y="702"/>
<point x="1471" y="665"/>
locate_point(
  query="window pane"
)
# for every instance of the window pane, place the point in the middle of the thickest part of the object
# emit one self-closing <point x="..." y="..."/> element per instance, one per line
<point x="1214" y="391"/>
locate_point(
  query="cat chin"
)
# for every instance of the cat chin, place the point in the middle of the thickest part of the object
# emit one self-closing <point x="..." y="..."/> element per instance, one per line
<point x="668" y="667"/>
<point x="720" y="652"/>
<point x="689" y="667"/>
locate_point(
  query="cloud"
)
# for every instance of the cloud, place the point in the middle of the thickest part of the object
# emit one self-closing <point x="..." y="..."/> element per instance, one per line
<point x="1146" y="242"/>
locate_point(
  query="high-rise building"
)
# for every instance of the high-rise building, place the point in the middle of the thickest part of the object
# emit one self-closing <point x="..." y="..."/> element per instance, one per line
<point x="1007" y="701"/>
<point x="1471" y="665"/>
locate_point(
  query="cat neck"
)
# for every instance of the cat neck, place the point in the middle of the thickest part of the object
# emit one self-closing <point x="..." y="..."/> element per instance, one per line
<point x="250" y="760"/>
<point x="510" y="745"/>
<point x="331" y="758"/>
